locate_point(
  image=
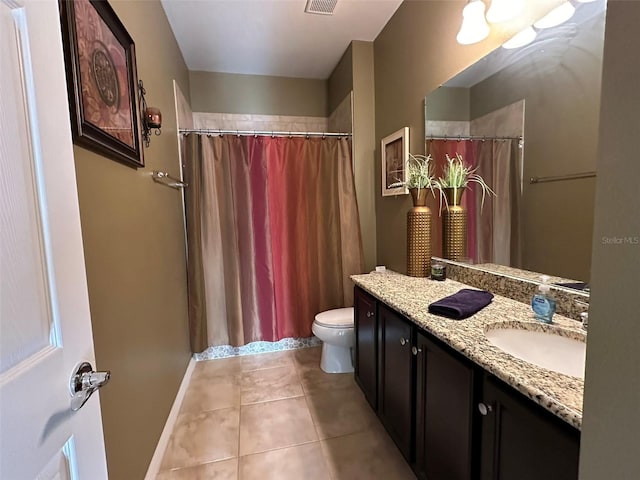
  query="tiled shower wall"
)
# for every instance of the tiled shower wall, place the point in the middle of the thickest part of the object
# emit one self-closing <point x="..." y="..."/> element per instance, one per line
<point x="442" y="128"/>
<point x="276" y="123"/>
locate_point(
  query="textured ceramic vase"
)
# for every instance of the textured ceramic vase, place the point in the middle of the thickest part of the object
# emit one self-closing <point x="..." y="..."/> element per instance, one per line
<point x="454" y="226"/>
<point x="419" y="235"/>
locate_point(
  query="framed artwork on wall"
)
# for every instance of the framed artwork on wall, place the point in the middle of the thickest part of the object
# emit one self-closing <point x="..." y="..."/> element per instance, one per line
<point x="102" y="81"/>
<point x="395" y="153"/>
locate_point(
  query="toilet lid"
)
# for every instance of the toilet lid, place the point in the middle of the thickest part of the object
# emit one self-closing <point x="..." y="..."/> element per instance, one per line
<point x="339" y="317"/>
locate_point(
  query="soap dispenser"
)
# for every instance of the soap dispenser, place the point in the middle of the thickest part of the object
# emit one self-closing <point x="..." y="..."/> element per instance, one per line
<point x="543" y="304"/>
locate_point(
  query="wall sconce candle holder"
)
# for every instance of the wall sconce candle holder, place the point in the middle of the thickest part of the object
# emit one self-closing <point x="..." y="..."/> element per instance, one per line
<point x="151" y="117"/>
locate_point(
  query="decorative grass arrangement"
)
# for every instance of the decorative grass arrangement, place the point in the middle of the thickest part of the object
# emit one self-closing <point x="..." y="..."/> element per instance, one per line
<point x="458" y="175"/>
<point x="419" y="174"/>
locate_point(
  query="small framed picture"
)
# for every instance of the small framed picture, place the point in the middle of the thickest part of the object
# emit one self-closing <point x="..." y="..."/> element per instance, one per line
<point x="102" y="81"/>
<point x="395" y="153"/>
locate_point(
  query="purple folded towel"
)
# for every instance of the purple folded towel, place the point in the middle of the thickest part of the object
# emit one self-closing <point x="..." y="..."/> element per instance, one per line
<point x="462" y="304"/>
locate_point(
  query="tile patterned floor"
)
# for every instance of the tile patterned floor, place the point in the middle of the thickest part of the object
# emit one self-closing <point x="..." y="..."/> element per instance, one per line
<point x="278" y="416"/>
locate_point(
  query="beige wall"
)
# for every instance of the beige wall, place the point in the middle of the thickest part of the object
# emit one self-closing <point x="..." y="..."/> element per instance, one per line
<point x="355" y="73"/>
<point x="414" y="54"/>
<point x="611" y="422"/>
<point x="257" y="94"/>
<point x="340" y="81"/>
<point x="364" y="141"/>
<point x="134" y="249"/>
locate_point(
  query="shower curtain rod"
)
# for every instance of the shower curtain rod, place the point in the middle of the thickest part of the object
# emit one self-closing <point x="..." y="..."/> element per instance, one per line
<point x="261" y="133"/>
<point x="469" y="137"/>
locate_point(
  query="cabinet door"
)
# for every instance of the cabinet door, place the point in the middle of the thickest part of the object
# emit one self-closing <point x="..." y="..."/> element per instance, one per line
<point x="522" y="441"/>
<point x="444" y="413"/>
<point x="395" y="399"/>
<point x="366" y="355"/>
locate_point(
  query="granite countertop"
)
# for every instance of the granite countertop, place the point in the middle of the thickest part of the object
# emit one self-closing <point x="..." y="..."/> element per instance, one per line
<point x="558" y="393"/>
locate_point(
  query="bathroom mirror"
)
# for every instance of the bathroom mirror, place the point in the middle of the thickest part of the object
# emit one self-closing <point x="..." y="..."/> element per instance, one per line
<point x="547" y="93"/>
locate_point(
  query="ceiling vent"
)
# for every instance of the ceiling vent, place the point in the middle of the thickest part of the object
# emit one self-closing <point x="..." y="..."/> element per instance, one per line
<point x="321" y="7"/>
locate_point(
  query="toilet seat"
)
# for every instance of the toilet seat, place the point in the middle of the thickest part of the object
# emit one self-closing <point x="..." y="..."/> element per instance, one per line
<point x="337" y="318"/>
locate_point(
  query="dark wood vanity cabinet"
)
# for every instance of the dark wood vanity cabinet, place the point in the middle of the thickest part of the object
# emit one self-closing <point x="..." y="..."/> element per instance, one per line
<point x="522" y="441"/>
<point x="366" y="348"/>
<point x="450" y="418"/>
<point x="395" y="394"/>
<point x="445" y="391"/>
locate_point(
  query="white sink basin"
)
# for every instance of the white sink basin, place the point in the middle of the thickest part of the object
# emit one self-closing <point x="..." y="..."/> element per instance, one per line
<point x="552" y="348"/>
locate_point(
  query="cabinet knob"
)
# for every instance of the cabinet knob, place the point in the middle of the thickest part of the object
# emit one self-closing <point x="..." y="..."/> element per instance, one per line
<point x="403" y="341"/>
<point x="370" y="314"/>
<point x="484" y="409"/>
<point x="416" y="350"/>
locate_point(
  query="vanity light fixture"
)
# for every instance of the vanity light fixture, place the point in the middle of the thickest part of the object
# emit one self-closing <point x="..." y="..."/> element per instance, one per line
<point x="474" y="26"/>
<point x="151" y="117"/>
<point x="504" y="10"/>
<point x="555" y="17"/>
<point x="520" y="39"/>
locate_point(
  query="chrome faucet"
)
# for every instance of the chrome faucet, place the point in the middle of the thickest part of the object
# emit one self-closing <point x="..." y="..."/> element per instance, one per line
<point x="584" y="316"/>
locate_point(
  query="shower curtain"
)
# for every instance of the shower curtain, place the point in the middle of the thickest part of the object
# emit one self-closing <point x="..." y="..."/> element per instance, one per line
<point x="493" y="231"/>
<point x="273" y="235"/>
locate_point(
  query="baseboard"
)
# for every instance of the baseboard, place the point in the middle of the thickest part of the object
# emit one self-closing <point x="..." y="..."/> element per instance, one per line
<point x="163" y="441"/>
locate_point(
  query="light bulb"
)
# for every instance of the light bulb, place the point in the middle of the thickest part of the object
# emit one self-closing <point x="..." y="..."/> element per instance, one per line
<point x="558" y="15"/>
<point x="474" y="26"/>
<point x="521" y="38"/>
<point x="503" y="10"/>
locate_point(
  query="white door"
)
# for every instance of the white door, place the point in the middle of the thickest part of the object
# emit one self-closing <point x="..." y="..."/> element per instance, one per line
<point x="45" y="328"/>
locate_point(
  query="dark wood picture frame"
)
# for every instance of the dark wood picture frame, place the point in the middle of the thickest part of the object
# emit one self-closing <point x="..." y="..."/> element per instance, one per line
<point x="102" y="81"/>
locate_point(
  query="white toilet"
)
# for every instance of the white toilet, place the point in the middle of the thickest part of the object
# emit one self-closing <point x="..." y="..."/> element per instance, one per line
<point x="335" y="329"/>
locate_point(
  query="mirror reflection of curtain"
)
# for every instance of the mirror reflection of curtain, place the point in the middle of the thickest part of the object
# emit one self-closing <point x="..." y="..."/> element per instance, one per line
<point x="499" y="240"/>
<point x="273" y="235"/>
<point x="493" y="231"/>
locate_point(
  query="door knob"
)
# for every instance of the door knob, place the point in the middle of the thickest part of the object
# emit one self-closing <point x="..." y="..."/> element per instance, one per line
<point x="85" y="381"/>
<point x="484" y="409"/>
